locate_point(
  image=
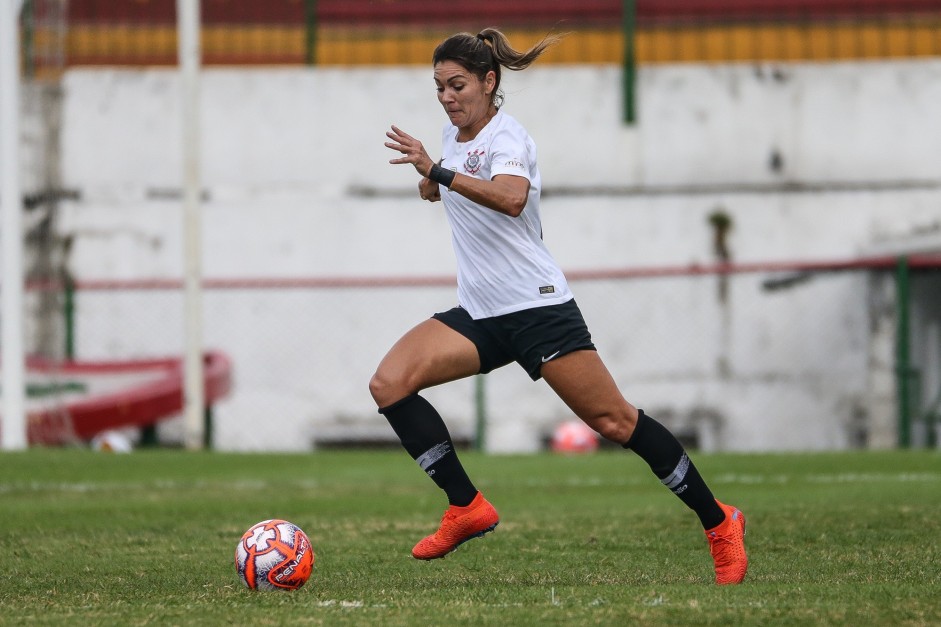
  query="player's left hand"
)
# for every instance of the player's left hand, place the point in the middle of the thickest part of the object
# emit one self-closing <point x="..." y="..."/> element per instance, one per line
<point x="412" y="149"/>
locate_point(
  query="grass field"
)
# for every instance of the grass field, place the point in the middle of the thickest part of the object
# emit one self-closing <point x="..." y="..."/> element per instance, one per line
<point x="148" y="538"/>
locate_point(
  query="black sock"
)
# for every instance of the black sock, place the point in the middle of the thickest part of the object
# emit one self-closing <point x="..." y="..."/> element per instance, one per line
<point x="426" y="438"/>
<point x="667" y="459"/>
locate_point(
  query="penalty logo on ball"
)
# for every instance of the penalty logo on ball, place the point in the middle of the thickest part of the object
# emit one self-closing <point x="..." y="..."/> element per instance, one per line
<point x="274" y="555"/>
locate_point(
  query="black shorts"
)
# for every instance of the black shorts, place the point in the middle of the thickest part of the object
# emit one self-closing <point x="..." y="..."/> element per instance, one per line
<point x="530" y="337"/>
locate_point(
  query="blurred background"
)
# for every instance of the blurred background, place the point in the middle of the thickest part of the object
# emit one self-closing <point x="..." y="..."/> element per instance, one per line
<point x="745" y="194"/>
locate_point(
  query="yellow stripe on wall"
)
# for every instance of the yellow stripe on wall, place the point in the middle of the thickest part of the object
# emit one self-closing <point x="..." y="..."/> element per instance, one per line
<point x="126" y="45"/>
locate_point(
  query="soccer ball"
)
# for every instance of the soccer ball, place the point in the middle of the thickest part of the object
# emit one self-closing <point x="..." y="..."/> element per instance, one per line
<point x="274" y="555"/>
<point x="574" y="436"/>
<point x="111" y="442"/>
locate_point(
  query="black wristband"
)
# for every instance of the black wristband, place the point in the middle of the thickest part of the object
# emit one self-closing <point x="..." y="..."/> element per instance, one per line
<point x="441" y="175"/>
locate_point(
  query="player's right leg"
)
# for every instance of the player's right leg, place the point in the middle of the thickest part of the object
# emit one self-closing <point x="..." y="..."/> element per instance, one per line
<point x="584" y="383"/>
<point x="430" y="354"/>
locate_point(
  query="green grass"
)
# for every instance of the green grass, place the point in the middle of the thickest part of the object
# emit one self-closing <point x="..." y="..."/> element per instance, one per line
<point x="148" y="538"/>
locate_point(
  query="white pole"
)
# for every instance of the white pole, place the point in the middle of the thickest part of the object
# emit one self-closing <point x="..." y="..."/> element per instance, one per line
<point x="189" y="58"/>
<point x="13" y="432"/>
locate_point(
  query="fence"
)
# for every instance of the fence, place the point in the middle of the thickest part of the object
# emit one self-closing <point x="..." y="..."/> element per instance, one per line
<point x="764" y="356"/>
<point x="59" y="34"/>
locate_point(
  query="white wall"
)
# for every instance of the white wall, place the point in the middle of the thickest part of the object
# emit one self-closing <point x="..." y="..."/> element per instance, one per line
<point x="295" y="129"/>
<point x="288" y="153"/>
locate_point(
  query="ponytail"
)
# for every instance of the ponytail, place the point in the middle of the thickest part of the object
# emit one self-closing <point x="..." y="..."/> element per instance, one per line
<point x="504" y="54"/>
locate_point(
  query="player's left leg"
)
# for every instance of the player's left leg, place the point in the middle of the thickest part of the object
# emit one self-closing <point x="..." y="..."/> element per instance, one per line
<point x="430" y="354"/>
<point x="583" y="382"/>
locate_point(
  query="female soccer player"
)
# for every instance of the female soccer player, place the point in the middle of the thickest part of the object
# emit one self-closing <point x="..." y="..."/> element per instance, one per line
<point x="514" y="305"/>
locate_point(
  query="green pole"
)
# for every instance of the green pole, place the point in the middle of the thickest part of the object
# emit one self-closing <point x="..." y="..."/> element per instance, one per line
<point x="148" y="436"/>
<point x="207" y="428"/>
<point x="480" y="403"/>
<point x="310" y="39"/>
<point x="630" y="61"/>
<point x="68" y="307"/>
<point x="28" y="21"/>
<point x="902" y="357"/>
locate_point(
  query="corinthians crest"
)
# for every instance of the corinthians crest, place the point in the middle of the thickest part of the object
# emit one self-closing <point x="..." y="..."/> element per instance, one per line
<point x="473" y="163"/>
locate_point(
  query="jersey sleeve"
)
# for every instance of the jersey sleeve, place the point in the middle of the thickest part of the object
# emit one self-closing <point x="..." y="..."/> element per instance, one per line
<point x="510" y="154"/>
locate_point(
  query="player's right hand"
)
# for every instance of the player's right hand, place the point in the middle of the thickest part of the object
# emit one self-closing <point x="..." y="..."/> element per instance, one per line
<point x="429" y="190"/>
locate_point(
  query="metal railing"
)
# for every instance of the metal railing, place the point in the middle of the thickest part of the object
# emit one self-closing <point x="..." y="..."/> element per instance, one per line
<point x="285" y="363"/>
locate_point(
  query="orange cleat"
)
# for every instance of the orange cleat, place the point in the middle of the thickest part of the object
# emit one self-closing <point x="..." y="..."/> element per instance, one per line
<point x="727" y="545"/>
<point x="458" y="525"/>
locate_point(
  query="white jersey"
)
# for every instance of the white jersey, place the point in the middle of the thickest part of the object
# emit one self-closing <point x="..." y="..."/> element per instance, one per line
<point x="502" y="263"/>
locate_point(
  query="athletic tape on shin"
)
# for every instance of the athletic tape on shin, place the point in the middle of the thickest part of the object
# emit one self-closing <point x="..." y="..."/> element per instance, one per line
<point x="675" y="478"/>
<point x="432" y="455"/>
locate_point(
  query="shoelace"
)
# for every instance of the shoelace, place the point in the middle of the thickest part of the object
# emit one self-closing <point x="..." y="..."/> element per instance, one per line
<point x="448" y="516"/>
<point x="716" y="546"/>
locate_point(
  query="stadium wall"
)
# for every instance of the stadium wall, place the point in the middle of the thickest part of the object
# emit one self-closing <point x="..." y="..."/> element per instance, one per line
<point x="810" y="161"/>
